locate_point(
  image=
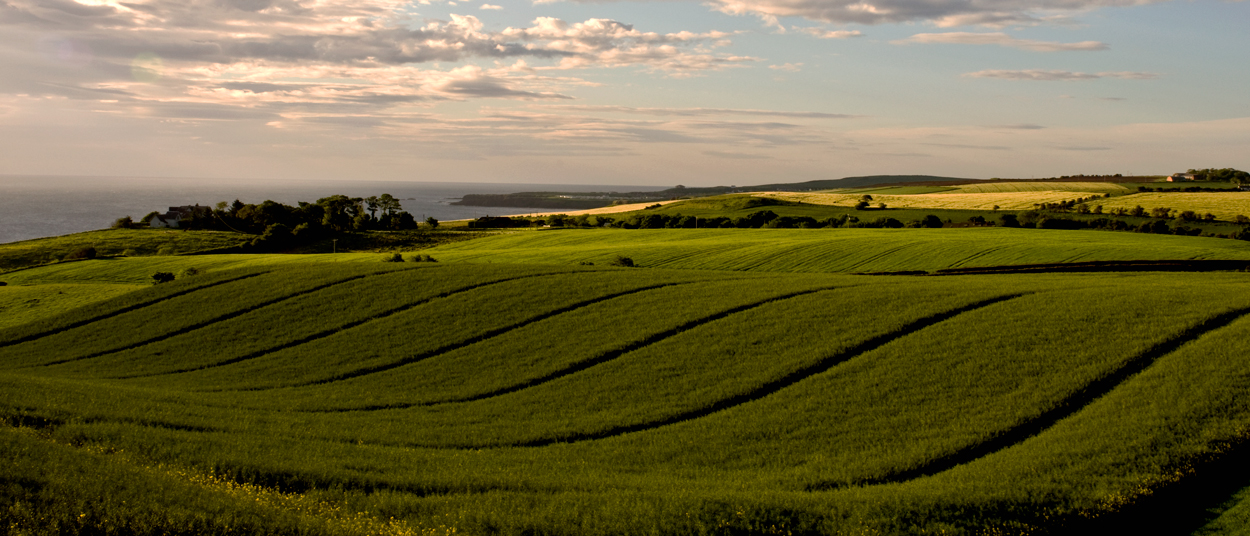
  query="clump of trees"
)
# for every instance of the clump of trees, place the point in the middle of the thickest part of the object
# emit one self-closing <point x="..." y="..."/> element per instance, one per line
<point x="277" y="226"/>
<point x="162" y="277"/>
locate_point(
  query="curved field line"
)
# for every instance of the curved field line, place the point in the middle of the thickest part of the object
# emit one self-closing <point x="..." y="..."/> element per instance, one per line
<point x="328" y="332"/>
<point x="587" y="363"/>
<point x="769" y="388"/>
<point x="469" y="341"/>
<point x="1065" y="408"/>
<point x="123" y="310"/>
<point x="209" y="322"/>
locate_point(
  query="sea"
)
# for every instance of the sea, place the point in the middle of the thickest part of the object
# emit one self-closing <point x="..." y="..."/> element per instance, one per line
<point x="41" y="206"/>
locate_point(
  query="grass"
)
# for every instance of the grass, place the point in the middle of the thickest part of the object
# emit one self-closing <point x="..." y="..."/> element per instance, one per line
<point x="141" y="242"/>
<point x="833" y="250"/>
<point x="734" y="385"/>
<point x="749" y="407"/>
<point x="22" y="304"/>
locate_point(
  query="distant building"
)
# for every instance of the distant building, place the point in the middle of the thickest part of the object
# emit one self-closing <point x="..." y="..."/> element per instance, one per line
<point x="1181" y="177"/>
<point x="175" y="215"/>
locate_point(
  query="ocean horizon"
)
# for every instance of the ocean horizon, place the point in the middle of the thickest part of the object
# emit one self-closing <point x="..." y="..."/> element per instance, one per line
<point x="39" y="206"/>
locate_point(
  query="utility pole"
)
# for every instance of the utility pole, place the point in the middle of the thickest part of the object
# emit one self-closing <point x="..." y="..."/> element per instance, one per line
<point x="335" y="245"/>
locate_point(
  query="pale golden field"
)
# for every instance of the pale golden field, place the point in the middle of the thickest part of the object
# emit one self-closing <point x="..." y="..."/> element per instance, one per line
<point x="956" y="201"/>
<point x="1225" y="205"/>
<point x="1004" y="187"/>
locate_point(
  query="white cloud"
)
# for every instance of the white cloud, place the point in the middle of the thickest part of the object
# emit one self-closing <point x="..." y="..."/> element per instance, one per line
<point x="830" y="34"/>
<point x="943" y="13"/>
<point x="789" y="67"/>
<point x="698" y="112"/>
<point x="1056" y="75"/>
<point x="491" y="7"/>
<point x="999" y="39"/>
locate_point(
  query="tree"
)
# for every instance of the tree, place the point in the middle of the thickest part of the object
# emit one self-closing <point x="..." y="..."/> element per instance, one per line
<point x="622" y="261"/>
<point x="431" y="222"/>
<point x="935" y="222"/>
<point x="123" y="222"/>
<point x="861" y="205"/>
<point x="162" y="277"/>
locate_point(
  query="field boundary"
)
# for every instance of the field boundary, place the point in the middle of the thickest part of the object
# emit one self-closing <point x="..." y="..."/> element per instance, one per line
<point x="1067" y="407"/>
<point x="1187" y="265"/>
<point x="123" y="310"/>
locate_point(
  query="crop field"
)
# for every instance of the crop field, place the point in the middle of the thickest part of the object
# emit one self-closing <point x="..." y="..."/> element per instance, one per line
<point x="833" y="250"/>
<point x="1009" y="200"/>
<point x="1005" y="187"/>
<point x="476" y="397"/>
<point x="1224" y="205"/>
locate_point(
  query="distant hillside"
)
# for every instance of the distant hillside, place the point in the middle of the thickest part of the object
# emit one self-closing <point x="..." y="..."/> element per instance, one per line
<point x="587" y="200"/>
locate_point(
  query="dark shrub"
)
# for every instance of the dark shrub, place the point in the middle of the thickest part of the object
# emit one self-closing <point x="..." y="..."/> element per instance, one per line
<point x="934" y="222"/>
<point x="622" y="261"/>
<point x="162" y="277"/>
<point x="82" y="253"/>
<point x="394" y="257"/>
<point x="123" y="222"/>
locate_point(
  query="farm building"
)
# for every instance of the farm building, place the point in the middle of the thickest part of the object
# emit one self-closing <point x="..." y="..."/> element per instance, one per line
<point x="176" y="214"/>
<point x="1181" y="177"/>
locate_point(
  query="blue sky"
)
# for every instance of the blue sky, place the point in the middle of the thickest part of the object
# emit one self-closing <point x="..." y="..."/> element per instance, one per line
<point x="648" y="93"/>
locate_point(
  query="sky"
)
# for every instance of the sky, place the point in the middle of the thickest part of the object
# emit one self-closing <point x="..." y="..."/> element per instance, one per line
<point x="659" y="92"/>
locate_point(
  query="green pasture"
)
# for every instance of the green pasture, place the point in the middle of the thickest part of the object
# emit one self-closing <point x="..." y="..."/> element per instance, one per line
<point x="509" y="389"/>
<point x="832" y="250"/>
<point x="115" y="242"/>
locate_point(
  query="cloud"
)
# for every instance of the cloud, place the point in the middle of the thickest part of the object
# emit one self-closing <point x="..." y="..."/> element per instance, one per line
<point x="736" y="156"/>
<point x="491" y="7"/>
<point x="943" y="13"/>
<point x="1060" y="76"/>
<point x="789" y="67"/>
<point x="830" y="34"/>
<point x="1020" y="126"/>
<point x="610" y="43"/>
<point x="999" y="39"/>
<point x="700" y="112"/>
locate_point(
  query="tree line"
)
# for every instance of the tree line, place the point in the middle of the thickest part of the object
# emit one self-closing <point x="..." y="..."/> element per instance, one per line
<point x="280" y="226"/>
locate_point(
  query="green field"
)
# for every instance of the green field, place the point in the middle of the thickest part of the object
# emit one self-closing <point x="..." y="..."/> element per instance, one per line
<point x="833" y="250"/>
<point x="742" y="381"/>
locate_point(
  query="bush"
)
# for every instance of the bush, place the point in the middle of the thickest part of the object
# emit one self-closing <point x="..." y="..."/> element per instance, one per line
<point x="934" y="222"/>
<point x="423" y="258"/>
<point x="625" y="262"/>
<point x="190" y="271"/>
<point x="1009" y="220"/>
<point x="2" y="283"/>
<point x="431" y="222"/>
<point x="585" y="263"/>
<point x="162" y="277"/>
<point x="81" y="253"/>
<point x="394" y="257"/>
<point x="123" y="222"/>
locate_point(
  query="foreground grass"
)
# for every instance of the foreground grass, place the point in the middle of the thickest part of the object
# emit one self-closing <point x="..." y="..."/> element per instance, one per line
<point x="338" y="398"/>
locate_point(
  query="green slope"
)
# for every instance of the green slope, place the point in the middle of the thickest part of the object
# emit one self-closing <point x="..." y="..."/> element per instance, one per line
<point x="833" y="250"/>
<point x="367" y="398"/>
